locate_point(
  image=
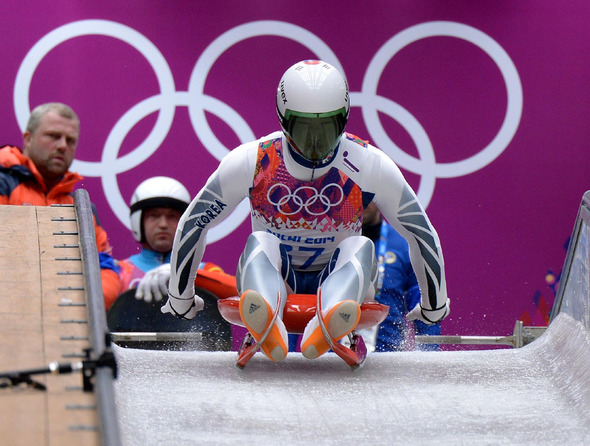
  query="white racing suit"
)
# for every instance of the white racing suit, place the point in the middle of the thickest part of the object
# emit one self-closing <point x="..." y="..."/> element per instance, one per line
<point x="306" y="224"/>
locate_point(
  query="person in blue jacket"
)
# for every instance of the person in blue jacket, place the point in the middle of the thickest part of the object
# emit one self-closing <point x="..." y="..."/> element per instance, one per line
<point x="397" y="285"/>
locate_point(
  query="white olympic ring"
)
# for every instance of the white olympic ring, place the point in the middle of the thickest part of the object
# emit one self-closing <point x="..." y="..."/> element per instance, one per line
<point x="197" y="102"/>
<point x="427" y="163"/>
<point x="298" y="203"/>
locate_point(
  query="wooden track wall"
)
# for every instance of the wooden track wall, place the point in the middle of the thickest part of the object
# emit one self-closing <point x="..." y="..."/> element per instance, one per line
<point x="43" y="318"/>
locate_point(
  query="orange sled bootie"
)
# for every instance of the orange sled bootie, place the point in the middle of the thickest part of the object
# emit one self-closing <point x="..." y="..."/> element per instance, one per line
<point x="339" y="320"/>
<point x="257" y="314"/>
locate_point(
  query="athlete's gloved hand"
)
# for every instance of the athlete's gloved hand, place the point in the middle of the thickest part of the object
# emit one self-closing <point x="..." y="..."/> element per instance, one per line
<point x="154" y="285"/>
<point x="429" y="316"/>
<point x="183" y="308"/>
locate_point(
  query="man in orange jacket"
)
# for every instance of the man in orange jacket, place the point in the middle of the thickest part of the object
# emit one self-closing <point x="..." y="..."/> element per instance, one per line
<point x="40" y="176"/>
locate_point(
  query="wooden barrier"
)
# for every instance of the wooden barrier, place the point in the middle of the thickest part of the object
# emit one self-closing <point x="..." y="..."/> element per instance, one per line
<point x="43" y="318"/>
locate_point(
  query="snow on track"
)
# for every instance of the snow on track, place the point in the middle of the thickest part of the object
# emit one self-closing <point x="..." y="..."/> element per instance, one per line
<point x="536" y="395"/>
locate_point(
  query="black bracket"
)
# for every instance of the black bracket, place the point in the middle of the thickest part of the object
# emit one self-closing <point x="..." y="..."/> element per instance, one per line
<point x="88" y="367"/>
<point x="15" y="379"/>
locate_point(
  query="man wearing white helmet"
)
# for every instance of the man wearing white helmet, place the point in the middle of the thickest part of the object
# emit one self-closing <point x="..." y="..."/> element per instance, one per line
<point x="308" y="186"/>
<point x="155" y="208"/>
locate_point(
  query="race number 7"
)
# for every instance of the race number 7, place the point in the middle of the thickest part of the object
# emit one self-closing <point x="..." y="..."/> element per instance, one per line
<point x="316" y="252"/>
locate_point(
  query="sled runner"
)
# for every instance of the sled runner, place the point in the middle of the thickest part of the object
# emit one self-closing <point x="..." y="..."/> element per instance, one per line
<point x="249" y="345"/>
<point x="357" y="353"/>
<point x="299" y="309"/>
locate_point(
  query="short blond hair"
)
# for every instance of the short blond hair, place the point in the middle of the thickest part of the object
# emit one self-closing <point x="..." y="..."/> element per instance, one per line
<point x="38" y="112"/>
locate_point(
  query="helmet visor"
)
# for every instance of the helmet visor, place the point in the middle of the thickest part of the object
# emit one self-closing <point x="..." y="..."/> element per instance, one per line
<point x="315" y="135"/>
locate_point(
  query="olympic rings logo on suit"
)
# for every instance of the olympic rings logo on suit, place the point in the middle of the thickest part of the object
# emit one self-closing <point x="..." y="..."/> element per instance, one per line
<point x="198" y="103"/>
<point x="291" y="203"/>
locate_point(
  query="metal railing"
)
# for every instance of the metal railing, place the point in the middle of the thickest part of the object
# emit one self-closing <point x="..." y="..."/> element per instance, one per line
<point x="103" y="379"/>
<point x="573" y="293"/>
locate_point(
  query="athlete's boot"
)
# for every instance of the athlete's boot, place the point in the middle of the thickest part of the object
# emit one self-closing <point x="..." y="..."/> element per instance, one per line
<point x="339" y="320"/>
<point x="257" y="314"/>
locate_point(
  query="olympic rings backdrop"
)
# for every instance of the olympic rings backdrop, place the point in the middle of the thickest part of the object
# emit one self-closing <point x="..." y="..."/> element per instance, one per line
<point x="482" y="104"/>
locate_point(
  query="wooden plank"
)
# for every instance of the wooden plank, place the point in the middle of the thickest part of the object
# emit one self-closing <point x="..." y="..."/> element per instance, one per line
<point x="23" y="412"/>
<point x="20" y="290"/>
<point x="44" y="320"/>
<point x="72" y="415"/>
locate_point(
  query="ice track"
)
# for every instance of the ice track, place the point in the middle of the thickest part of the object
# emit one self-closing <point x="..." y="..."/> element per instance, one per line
<point x="536" y="395"/>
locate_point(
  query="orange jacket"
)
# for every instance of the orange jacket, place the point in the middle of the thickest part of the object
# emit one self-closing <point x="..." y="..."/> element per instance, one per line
<point x="22" y="184"/>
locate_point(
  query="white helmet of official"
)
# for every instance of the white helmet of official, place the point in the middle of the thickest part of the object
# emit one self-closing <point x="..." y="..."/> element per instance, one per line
<point x="313" y="105"/>
<point x="156" y="192"/>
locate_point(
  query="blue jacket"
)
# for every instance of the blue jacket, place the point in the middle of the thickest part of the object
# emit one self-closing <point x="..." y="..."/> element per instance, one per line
<point x="398" y="288"/>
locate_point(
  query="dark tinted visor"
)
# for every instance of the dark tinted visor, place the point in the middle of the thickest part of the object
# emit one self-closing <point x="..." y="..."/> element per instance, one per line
<point x="315" y="135"/>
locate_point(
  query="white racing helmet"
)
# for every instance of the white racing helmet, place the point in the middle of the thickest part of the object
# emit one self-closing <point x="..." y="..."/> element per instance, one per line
<point x="156" y="192"/>
<point x="313" y="105"/>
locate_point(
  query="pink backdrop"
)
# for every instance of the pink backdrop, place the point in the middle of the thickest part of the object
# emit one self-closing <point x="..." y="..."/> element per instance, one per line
<point x="483" y="104"/>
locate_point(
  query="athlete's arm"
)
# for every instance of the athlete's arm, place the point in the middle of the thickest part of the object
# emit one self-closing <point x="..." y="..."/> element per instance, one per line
<point x="224" y="190"/>
<point x="399" y="205"/>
